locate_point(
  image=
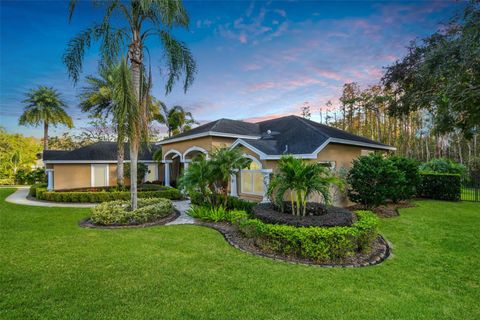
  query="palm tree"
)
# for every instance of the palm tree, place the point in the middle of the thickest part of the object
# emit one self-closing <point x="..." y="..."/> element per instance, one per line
<point x="135" y="21"/>
<point x="301" y="179"/>
<point x="98" y="99"/>
<point x="176" y="119"/>
<point x="45" y="106"/>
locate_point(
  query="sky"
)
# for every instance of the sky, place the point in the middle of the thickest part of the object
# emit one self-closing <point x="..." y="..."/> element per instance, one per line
<point x="256" y="59"/>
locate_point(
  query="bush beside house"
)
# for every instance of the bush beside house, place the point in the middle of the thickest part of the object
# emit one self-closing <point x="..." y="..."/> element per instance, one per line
<point x="102" y="196"/>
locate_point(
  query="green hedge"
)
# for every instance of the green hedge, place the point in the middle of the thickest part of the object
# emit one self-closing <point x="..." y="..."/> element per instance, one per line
<point x="33" y="188"/>
<point x="102" y="196"/>
<point x="441" y="186"/>
<point x="315" y="243"/>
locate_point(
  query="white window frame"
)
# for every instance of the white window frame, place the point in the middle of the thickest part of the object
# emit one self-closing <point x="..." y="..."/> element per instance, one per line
<point x="92" y="174"/>
<point x="332" y="163"/>
<point x="252" y="179"/>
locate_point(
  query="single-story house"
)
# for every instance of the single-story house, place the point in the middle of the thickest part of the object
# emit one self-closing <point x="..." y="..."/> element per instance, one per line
<point x="264" y="142"/>
<point x="94" y="165"/>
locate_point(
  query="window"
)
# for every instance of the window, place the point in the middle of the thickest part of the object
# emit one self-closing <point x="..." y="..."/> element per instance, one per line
<point x="252" y="179"/>
<point x="99" y="175"/>
<point x="152" y="172"/>
<point x="329" y="164"/>
<point x="366" y="152"/>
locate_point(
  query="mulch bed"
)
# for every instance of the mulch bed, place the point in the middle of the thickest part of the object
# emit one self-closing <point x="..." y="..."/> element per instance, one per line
<point x="379" y="252"/>
<point x="317" y="215"/>
<point x="87" y="223"/>
<point x="386" y="211"/>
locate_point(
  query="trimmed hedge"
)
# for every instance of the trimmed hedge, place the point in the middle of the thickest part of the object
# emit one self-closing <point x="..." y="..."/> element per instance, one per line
<point x="440" y="186"/>
<point x="315" y="243"/>
<point x="102" y="196"/>
<point x="119" y="212"/>
<point x="33" y="188"/>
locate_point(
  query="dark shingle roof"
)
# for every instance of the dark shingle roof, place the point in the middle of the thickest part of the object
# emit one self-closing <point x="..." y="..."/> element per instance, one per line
<point x="229" y="126"/>
<point x="291" y="134"/>
<point x="100" y="151"/>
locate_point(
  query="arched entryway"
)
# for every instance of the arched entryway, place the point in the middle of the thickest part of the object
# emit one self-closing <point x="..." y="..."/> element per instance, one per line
<point x="172" y="161"/>
<point x="191" y="153"/>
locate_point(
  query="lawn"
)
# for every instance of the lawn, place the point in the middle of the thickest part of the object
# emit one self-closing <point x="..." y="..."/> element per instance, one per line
<point x="52" y="269"/>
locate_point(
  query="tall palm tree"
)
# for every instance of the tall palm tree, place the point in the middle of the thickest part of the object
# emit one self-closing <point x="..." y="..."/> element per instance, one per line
<point x="44" y="105"/>
<point x="176" y="119"/>
<point x="98" y="98"/>
<point x="135" y="21"/>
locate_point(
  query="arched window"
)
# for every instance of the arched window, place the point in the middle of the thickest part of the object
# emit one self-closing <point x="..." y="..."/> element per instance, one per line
<point x="252" y="179"/>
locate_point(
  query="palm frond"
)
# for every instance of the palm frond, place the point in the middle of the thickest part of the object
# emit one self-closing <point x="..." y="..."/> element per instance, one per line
<point x="179" y="61"/>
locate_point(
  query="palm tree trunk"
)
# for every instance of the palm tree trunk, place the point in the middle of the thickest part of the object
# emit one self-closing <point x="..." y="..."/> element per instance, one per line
<point x="135" y="53"/>
<point x="133" y="173"/>
<point x="120" y="158"/>
<point x="45" y="135"/>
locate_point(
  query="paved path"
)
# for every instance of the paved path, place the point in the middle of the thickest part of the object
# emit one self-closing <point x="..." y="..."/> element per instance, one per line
<point x="184" y="218"/>
<point x="20" y="197"/>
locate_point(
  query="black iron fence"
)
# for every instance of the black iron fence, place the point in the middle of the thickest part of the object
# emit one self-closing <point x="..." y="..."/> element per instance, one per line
<point x="471" y="189"/>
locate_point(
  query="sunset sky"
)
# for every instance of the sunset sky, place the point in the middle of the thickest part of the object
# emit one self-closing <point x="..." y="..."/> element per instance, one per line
<point x="256" y="60"/>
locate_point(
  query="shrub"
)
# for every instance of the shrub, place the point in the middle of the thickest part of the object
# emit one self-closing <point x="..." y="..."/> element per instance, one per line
<point x="217" y="214"/>
<point x="7" y="182"/>
<point x="30" y="176"/>
<point x="33" y="188"/>
<point x="119" y="212"/>
<point x="372" y="180"/>
<point x="315" y="243"/>
<point x="409" y="167"/>
<point x="233" y="203"/>
<point x="440" y="186"/>
<point x="102" y="196"/>
<point x="443" y="165"/>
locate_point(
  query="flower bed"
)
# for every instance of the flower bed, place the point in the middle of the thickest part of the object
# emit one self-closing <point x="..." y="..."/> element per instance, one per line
<point x="320" y="245"/>
<point x="119" y="213"/>
<point x="102" y="196"/>
<point x="317" y="214"/>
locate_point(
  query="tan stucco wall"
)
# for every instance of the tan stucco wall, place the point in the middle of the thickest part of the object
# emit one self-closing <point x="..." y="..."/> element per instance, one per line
<point x="71" y="176"/>
<point x="206" y="143"/>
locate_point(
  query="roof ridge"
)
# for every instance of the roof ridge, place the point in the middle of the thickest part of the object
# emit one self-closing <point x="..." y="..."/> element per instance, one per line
<point x="307" y="122"/>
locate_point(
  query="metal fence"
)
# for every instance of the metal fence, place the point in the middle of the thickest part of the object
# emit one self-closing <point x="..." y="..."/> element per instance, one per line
<point x="471" y="189"/>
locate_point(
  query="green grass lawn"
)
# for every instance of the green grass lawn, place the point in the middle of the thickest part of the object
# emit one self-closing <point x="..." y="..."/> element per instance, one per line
<point x="50" y="268"/>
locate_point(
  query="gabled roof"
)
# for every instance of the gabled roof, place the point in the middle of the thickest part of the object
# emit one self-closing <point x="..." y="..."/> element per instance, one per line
<point x="222" y="127"/>
<point x="100" y="151"/>
<point x="285" y="135"/>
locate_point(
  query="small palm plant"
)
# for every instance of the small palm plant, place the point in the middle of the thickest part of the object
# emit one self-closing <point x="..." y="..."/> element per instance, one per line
<point x="300" y="180"/>
<point x="210" y="176"/>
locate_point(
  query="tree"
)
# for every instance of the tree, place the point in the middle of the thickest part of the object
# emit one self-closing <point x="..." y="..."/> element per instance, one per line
<point x="17" y="152"/>
<point x="306" y="113"/>
<point x="176" y="119"/>
<point x="45" y="106"/>
<point x="98" y="99"/>
<point x="441" y="74"/>
<point x="300" y="179"/>
<point x="134" y="23"/>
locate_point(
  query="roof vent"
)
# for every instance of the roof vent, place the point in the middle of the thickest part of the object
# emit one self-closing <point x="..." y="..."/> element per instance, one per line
<point x="286" y="149"/>
<point x="269" y="131"/>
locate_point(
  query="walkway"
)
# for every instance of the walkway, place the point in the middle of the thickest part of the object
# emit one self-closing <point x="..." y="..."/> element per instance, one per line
<point x="20" y="197"/>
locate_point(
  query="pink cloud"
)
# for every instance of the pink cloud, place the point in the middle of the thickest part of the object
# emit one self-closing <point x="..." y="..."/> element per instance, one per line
<point x="329" y="74"/>
<point x="298" y="82"/>
<point x="242" y="38"/>
<point x="267" y="117"/>
<point x="252" y="67"/>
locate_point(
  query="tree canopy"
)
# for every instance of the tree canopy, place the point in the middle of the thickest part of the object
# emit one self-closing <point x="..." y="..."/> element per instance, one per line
<point x="441" y="74"/>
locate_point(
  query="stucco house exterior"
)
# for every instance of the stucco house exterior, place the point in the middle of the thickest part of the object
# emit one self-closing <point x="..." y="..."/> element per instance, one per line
<point x="264" y="142"/>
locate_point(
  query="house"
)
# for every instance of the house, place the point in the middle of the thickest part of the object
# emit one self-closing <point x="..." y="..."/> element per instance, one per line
<point x="264" y="142"/>
<point x="92" y="166"/>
